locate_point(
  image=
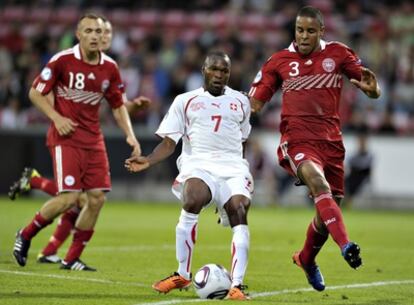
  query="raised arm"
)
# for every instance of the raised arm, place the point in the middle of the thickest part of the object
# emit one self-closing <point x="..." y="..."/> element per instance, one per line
<point x="64" y="126"/>
<point x="368" y="83"/>
<point x="161" y="152"/>
<point x="124" y="122"/>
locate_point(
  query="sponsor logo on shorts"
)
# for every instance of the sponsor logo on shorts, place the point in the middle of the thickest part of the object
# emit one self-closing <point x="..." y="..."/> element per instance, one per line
<point x="69" y="180"/>
<point x="299" y="156"/>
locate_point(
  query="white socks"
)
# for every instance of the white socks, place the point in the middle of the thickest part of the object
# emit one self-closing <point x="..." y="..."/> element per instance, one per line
<point x="239" y="253"/>
<point x="185" y="238"/>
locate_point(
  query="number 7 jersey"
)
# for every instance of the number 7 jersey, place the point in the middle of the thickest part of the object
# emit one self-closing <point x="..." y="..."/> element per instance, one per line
<point x="212" y="127"/>
<point x="78" y="89"/>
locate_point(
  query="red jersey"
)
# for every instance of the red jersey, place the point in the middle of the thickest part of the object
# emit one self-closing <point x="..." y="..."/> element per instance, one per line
<point x="79" y="88"/>
<point x="311" y="89"/>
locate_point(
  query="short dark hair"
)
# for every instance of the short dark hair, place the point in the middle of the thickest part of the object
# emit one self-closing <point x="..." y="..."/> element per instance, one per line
<point x="312" y="12"/>
<point x="217" y="53"/>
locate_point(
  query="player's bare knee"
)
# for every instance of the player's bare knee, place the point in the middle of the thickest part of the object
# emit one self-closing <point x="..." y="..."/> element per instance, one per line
<point x="95" y="200"/>
<point x="195" y="200"/>
<point x="318" y="184"/>
<point x="68" y="200"/>
<point x="237" y="208"/>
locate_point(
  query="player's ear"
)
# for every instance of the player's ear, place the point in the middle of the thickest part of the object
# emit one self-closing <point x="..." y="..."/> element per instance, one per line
<point x="203" y="69"/>
<point x="322" y="30"/>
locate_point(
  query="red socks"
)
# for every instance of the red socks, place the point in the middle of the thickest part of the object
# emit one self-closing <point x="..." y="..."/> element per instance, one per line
<point x="46" y="185"/>
<point x="331" y="216"/>
<point x="80" y="239"/>
<point x="62" y="231"/>
<point x="313" y="244"/>
<point x="37" y="224"/>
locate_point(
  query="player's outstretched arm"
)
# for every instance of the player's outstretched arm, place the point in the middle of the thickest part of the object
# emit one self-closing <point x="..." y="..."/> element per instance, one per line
<point x="124" y="122"/>
<point x="368" y="83"/>
<point x="162" y="151"/>
<point x="137" y="104"/>
<point x="256" y="105"/>
<point x="64" y="126"/>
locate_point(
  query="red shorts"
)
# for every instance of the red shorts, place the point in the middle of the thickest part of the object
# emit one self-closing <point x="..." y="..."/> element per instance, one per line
<point x="329" y="156"/>
<point x="79" y="169"/>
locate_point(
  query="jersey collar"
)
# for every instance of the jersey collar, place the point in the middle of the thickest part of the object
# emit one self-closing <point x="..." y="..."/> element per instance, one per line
<point x="293" y="46"/>
<point x="78" y="55"/>
<point x="226" y="89"/>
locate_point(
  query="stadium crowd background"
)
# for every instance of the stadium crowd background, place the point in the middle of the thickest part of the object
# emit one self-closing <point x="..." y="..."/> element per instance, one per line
<point x="159" y="46"/>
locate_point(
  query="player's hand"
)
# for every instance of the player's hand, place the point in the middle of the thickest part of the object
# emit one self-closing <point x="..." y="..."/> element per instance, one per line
<point x="136" y="148"/>
<point x="64" y="126"/>
<point x="368" y="83"/>
<point x="136" y="164"/>
<point x="141" y="102"/>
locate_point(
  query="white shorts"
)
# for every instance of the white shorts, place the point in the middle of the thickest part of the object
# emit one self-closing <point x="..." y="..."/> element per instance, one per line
<point x="224" y="179"/>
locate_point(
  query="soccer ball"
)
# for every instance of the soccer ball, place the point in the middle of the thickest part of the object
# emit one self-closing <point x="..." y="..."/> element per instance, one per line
<point x="212" y="281"/>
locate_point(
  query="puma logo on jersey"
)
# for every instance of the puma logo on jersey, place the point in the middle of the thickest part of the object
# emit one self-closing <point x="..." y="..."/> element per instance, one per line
<point x="216" y="105"/>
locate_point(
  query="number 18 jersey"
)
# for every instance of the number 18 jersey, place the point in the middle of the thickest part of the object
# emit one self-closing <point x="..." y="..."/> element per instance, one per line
<point x="79" y="88"/>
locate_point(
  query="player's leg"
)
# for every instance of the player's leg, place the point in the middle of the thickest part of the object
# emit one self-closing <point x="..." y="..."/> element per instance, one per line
<point x="63" y="229"/>
<point x="195" y="195"/>
<point x="95" y="180"/>
<point x="83" y="231"/>
<point x="49" y="211"/>
<point x="237" y="208"/>
<point x="329" y="211"/>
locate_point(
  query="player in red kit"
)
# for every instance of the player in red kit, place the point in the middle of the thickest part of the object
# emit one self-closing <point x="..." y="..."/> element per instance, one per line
<point x="31" y="179"/>
<point x="80" y="78"/>
<point x="309" y="73"/>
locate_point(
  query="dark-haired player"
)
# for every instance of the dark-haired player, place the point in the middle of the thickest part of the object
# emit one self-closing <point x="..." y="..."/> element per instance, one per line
<point x="80" y="78"/>
<point x="309" y="73"/>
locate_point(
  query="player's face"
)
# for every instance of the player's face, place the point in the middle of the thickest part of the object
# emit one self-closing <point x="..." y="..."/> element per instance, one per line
<point x="308" y="33"/>
<point x="107" y="36"/>
<point x="89" y="34"/>
<point x="216" y="73"/>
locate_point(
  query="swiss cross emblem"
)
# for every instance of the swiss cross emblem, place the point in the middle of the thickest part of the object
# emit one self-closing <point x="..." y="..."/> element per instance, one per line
<point x="233" y="106"/>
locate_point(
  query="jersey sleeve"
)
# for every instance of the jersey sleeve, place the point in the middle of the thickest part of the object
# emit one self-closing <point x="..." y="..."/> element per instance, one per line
<point x="351" y="65"/>
<point x="115" y="90"/>
<point x="173" y="123"/>
<point x="245" y="124"/>
<point x="46" y="80"/>
<point x="265" y="83"/>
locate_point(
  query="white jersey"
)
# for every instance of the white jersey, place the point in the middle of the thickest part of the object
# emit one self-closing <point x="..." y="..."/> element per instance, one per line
<point x="212" y="127"/>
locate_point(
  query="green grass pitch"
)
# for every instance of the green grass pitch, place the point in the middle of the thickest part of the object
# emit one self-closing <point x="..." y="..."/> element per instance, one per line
<point x="133" y="246"/>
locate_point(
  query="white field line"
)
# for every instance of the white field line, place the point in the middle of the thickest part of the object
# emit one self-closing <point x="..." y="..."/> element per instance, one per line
<point x="289" y="291"/>
<point x="73" y="278"/>
<point x="149" y="248"/>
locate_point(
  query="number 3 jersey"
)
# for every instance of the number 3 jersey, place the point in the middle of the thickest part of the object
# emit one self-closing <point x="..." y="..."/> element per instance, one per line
<point x="78" y="89"/>
<point x="211" y="127"/>
<point x="311" y="89"/>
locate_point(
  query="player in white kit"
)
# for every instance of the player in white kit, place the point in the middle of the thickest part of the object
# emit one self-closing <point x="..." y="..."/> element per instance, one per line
<point x="213" y="123"/>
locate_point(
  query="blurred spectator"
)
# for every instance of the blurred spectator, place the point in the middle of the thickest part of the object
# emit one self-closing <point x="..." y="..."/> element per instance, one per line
<point x="11" y="117"/>
<point x="162" y="56"/>
<point x="359" y="167"/>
